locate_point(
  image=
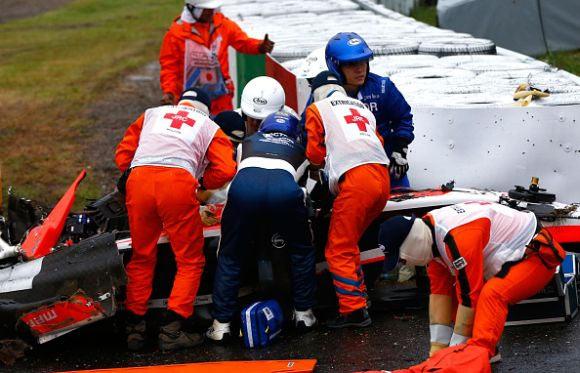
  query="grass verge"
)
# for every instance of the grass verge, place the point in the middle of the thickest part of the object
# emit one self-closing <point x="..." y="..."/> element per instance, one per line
<point x="569" y="60"/>
<point x="53" y="67"/>
<point x="425" y="14"/>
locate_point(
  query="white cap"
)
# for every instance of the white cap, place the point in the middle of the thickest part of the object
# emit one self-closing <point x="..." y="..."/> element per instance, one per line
<point x="262" y="96"/>
<point x="205" y="4"/>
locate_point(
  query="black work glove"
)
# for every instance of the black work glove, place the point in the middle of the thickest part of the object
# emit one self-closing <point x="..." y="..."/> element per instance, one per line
<point x="399" y="164"/>
<point x="122" y="182"/>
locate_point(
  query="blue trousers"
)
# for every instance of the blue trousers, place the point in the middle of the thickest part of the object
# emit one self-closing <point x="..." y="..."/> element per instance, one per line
<point x="257" y="197"/>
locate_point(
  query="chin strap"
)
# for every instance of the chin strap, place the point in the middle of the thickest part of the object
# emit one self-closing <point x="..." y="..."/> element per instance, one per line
<point x="195" y="12"/>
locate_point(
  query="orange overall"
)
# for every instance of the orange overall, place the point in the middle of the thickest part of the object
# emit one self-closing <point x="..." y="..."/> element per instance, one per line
<point x="163" y="199"/>
<point x="219" y="35"/>
<point x="363" y="192"/>
<point x="490" y="299"/>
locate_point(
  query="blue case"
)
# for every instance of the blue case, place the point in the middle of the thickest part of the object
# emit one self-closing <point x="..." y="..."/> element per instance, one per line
<point x="261" y="323"/>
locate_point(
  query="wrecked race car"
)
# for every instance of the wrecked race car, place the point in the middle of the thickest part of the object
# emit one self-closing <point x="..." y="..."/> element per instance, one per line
<point x="60" y="270"/>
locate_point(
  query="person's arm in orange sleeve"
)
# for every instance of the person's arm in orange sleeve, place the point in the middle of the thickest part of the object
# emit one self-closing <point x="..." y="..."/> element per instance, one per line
<point x="128" y="145"/>
<point x="170" y="59"/>
<point x="440" y="305"/>
<point x="315" y="147"/>
<point x="380" y="138"/>
<point x="464" y="246"/>
<point x="240" y="40"/>
<point x="221" y="167"/>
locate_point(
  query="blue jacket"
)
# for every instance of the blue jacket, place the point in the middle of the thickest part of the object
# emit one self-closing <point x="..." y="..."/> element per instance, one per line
<point x="392" y="112"/>
<point x="273" y="151"/>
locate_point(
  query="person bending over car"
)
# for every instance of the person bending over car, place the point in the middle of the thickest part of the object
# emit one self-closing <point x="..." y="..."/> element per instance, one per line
<point x="488" y="255"/>
<point x="167" y="150"/>
<point x="265" y="192"/>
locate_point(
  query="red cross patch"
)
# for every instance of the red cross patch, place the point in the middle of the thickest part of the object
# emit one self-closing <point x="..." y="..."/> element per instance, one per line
<point x="179" y="119"/>
<point x="356" y="118"/>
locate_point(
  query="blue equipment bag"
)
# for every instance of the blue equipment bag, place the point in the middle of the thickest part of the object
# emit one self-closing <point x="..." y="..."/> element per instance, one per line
<point x="261" y="323"/>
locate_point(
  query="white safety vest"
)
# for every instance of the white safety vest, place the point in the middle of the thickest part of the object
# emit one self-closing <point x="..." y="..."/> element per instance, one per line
<point x="350" y="136"/>
<point x="175" y="136"/>
<point x="511" y="231"/>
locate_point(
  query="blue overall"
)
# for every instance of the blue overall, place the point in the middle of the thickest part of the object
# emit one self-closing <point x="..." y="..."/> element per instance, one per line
<point x="260" y="196"/>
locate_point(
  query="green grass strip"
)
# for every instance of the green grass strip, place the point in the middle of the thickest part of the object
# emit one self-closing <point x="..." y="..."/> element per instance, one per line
<point x="53" y="66"/>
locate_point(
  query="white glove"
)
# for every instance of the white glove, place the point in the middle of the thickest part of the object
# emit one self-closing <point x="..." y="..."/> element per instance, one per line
<point x="399" y="164"/>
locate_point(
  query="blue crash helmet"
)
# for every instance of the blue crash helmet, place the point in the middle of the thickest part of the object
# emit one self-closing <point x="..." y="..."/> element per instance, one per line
<point x="392" y="234"/>
<point x="346" y="47"/>
<point x="281" y="122"/>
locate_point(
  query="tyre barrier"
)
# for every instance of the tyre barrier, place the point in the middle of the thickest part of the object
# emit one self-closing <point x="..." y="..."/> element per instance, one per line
<point x="402" y="62"/>
<point x="430" y="66"/>
<point x="490" y="59"/>
<point x="560" y="100"/>
<point x="513" y="74"/>
<point x="434" y="73"/>
<point x="477" y="99"/>
<point x="273" y="8"/>
<point x="482" y="67"/>
<point x="450" y="47"/>
<point x="290" y="52"/>
<point x="456" y="90"/>
<point x="400" y="48"/>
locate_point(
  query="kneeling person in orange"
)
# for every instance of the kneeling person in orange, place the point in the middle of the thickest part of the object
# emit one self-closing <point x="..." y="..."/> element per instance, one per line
<point x="342" y="137"/>
<point x="168" y="149"/>
<point x="489" y="255"/>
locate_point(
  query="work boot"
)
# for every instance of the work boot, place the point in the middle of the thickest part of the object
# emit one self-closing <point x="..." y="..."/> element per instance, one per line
<point x="304" y="320"/>
<point x="219" y="331"/>
<point x="135" y="330"/>
<point x="173" y="337"/>
<point x="359" y="318"/>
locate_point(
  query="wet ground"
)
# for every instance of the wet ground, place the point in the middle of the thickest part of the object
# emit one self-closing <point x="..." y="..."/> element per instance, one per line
<point x="395" y="340"/>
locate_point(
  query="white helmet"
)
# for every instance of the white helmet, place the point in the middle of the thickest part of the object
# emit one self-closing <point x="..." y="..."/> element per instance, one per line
<point x="204" y="4"/>
<point x="261" y="97"/>
<point x="313" y="64"/>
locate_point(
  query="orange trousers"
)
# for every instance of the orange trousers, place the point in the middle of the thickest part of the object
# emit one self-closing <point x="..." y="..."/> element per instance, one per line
<point x="163" y="199"/>
<point x="523" y="280"/>
<point x="362" y="196"/>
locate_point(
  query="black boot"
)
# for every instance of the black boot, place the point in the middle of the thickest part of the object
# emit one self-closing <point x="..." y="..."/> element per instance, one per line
<point x="359" y="318"/>
<point x="173" y="337"/>
<point x="135" y="330"/>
